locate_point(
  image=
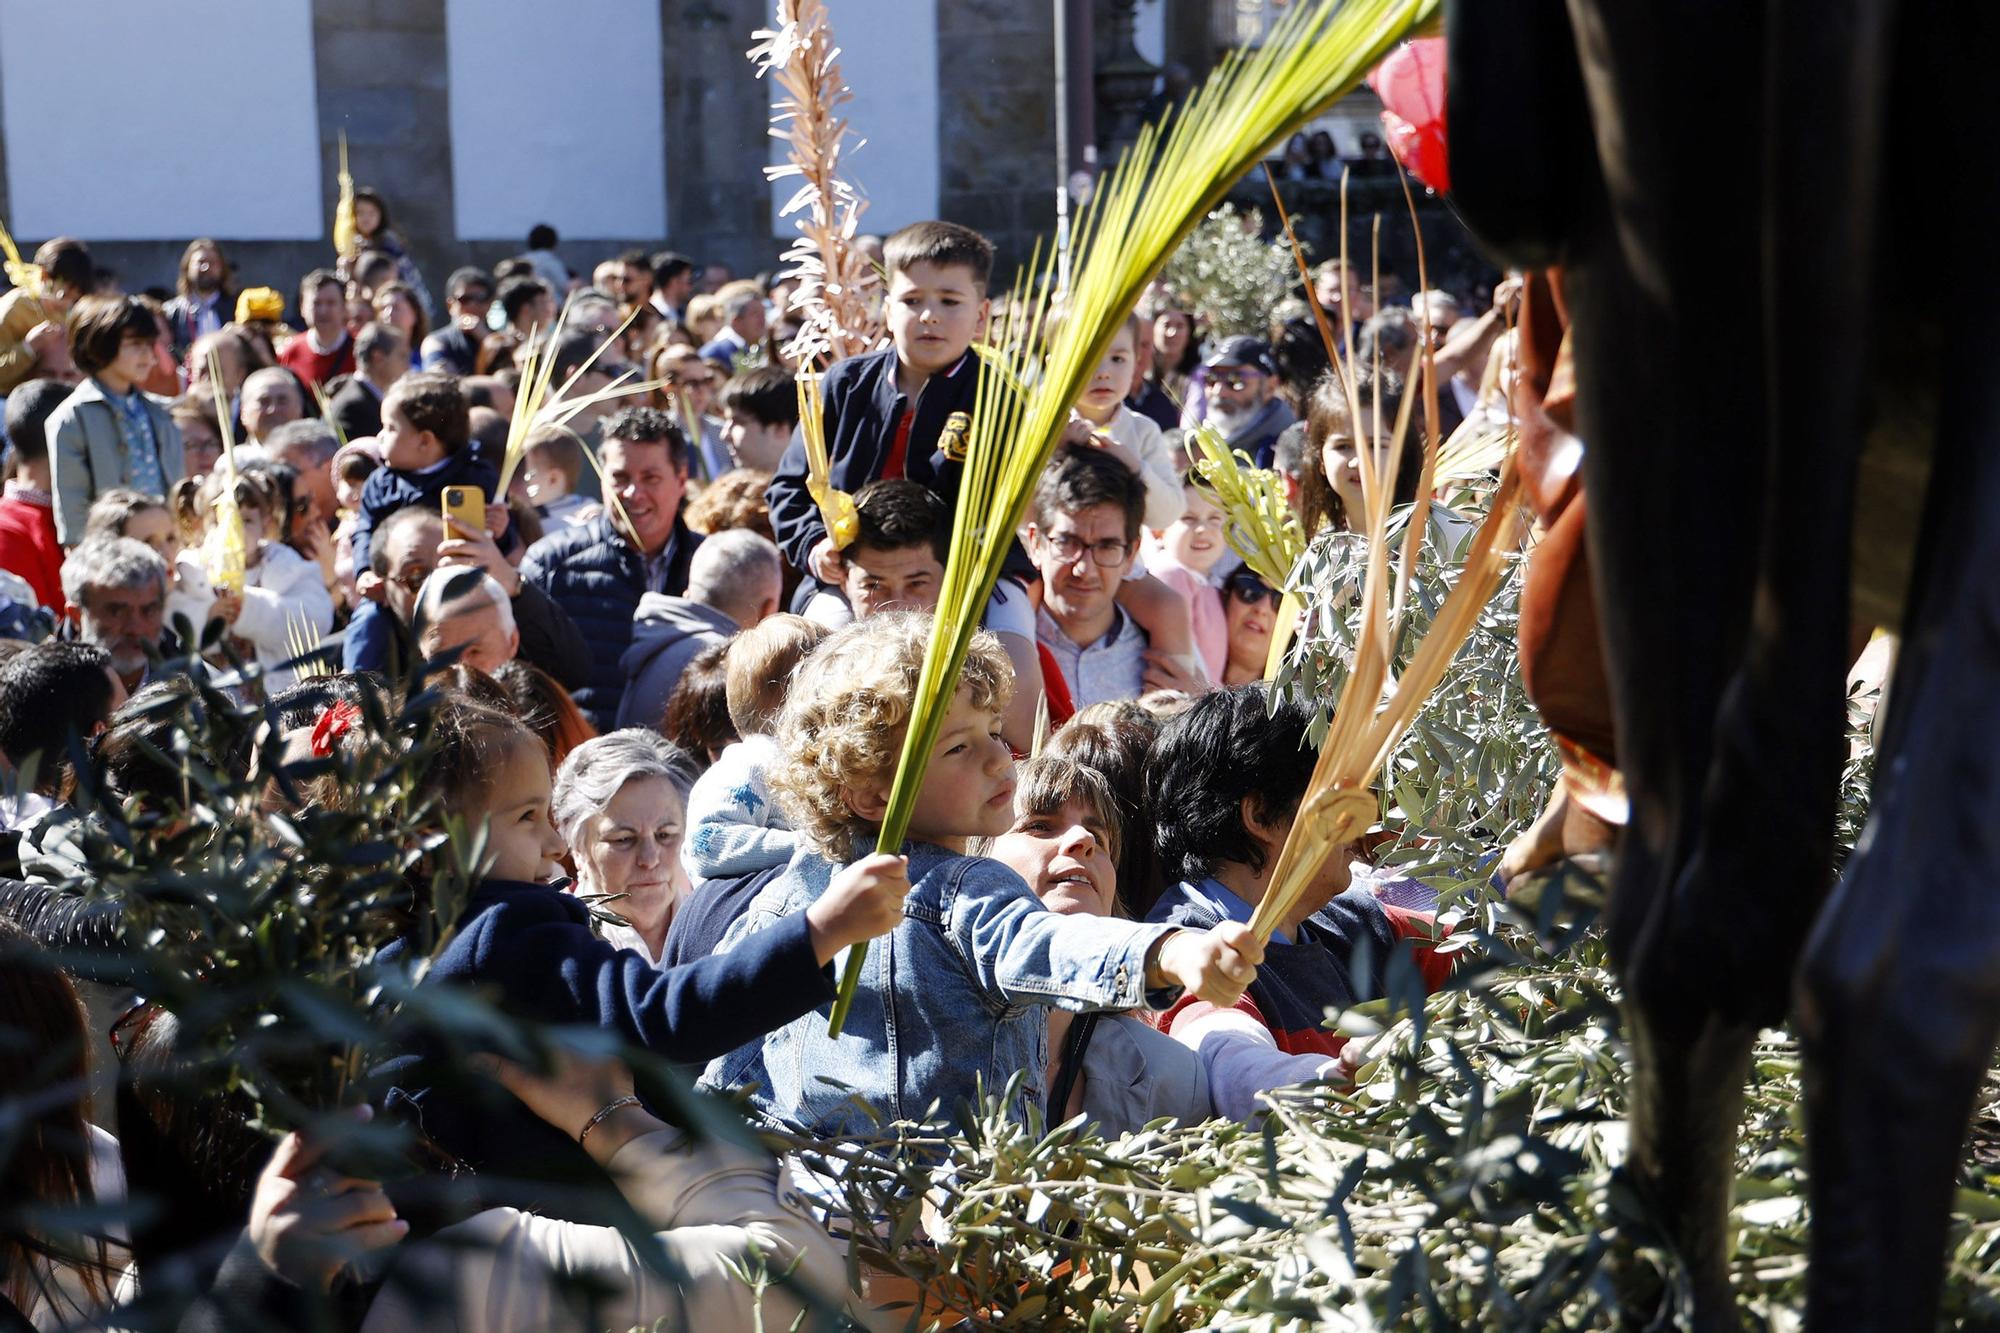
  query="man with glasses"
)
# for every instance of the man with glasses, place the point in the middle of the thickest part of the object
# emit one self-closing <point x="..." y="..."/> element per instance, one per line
<point x="1083" y="533"/>
<point x="407" y="549"/>
<point x="454" y="349"/>
<point x="1241" y="381"/>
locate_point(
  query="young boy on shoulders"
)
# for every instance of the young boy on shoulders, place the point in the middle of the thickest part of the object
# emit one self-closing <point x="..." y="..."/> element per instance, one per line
<point x="952" y="1001"/>
<point x="907" y="411"/>
<point x="426" y="443"/>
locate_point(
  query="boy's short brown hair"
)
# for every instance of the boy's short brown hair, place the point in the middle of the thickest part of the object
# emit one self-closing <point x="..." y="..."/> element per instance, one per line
<point x="760" y="665"/>
<point x="943" y="244"/>
<point x="99" y="324"/>
<point x="733" y="500"/>
<point x="555" y="445"/>
<point x="842" y="727"/>
<point x="432" y="402"/>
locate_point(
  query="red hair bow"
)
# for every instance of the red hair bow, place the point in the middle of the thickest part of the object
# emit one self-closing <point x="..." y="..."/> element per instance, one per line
<point x="334" y="722"/>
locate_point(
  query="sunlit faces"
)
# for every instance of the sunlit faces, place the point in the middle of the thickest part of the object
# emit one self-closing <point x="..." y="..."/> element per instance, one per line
<point x="633" y="847"/>
<point x="403" y="445"/>
<point x="968" y="790"/>
<point x="934" y="312"/>
<point x="1340" y="456"/>
<point x="1065" y="855"/>
<point x="649" y="484"/>
<point x="1082" y="558"/>
<point x="521" y="842"/>
<point x="1195" y="540"/>
<point x="124" y="622"/>
<point x="487" y="638"/>
<point x="155" y="527"/>
<point x="905" y="579"/>
<point x="329" y="308"/>
<point x="1250" y="611"/>
<point x="1112" y="380"/>
<point x="135" y="361"/>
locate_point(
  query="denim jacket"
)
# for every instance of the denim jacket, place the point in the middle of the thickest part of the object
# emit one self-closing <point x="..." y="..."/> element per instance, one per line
<point x="954" y="994"/>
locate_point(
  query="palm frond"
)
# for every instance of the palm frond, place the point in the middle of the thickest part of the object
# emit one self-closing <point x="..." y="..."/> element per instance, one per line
<point x="836" y="507"/>
<point x="836" y="281"/>
<point x="1169" y="180"/>
<point x="226" y="549"/>
<point x="1262" y="527"/>
<point x="346" y="236"/>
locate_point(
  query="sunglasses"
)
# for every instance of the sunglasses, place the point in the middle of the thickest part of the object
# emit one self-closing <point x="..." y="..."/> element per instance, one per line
<point x="1238" y="381"/>
<point x="1252" y="591"/>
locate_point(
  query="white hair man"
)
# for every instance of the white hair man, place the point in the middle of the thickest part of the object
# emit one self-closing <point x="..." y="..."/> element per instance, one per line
<point x="462" y="607"/>
<point x="119" y="588"/>
<point x="734" y="580"/>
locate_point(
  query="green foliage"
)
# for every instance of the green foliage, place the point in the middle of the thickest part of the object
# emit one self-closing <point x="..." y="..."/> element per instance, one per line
<point x="1228" y="276"/>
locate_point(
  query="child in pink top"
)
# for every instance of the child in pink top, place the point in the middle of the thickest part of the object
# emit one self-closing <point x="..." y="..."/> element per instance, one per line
<point x="1184" y="557"/>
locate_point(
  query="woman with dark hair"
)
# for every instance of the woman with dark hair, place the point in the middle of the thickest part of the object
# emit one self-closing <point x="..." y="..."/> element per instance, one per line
<point x="396" y="304"/>
<point x="58" y="1162"/>
<point x="1176" y="351"/>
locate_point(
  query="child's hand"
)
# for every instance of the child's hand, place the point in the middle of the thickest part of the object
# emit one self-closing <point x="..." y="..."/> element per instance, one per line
<point x="307" y="1224"/>
<point x="369" y="585"/>
<point x="497" y="519"/>
<point x="1078" y="430"/>
<point x="226" y="607"/>
<point x="1214" y="965"/>
<point x="826" y="562"/>
<point x="864" y="900"/>
<point x="1164" y="671"/>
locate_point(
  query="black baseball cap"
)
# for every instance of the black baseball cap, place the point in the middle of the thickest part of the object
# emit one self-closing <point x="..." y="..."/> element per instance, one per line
<point x="1243" y="350"/>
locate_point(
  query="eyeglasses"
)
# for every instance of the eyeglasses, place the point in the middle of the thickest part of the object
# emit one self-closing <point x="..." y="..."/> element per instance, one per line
<point x="1238" y="381"/>
<point x="688" y="381"/>
<point x="473" y="298"/>
<point x="1067" y="547"/>
<point x="1252" y="591"/>
<point x="412" y="582"/>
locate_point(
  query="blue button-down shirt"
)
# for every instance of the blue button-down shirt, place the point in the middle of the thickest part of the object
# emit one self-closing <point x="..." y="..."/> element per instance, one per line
<point x="1112" y="668"/>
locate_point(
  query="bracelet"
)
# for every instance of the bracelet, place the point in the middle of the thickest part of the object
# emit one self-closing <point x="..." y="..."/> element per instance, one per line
<point x="603" y="1114"/>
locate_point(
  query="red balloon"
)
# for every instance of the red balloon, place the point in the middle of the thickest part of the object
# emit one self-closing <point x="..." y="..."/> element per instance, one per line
<point x="1410" y="82"/>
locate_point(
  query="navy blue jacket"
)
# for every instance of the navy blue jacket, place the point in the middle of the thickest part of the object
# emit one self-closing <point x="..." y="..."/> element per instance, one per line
<point x="597" y="578"/>
<point x="863" y="406"/>
<point x="531" y="945"/>
<point x="707" y="913"/>
<point x="389" y="489"/>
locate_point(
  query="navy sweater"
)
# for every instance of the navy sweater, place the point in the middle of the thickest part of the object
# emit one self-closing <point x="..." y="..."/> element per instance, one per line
<point x="389" y="489"/>
<point x="532" y="947"/>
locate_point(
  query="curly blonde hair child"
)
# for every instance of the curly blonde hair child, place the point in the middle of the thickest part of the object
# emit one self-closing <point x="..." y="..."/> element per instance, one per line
<point x="850" y="704"/>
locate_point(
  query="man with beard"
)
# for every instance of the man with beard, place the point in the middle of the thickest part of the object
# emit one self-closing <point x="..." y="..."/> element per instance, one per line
<point x="1242" y="381"/>
<point x="205" y="302"/>
<point x="119" y="587"/>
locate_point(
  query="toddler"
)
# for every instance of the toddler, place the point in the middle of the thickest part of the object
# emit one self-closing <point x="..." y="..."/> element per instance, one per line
<point x="1184" y="555"/>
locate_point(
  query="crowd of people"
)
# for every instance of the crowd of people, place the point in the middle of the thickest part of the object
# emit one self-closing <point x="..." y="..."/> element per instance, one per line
<point x="675" y="711"/>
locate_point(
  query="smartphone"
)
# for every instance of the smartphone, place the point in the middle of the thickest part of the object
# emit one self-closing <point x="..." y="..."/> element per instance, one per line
<point x="467" y="504"/>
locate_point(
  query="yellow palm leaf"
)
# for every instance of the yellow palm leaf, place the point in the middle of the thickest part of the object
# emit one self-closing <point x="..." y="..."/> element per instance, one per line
<point x="1169" y="180"/>
<point x="346" y="237"/>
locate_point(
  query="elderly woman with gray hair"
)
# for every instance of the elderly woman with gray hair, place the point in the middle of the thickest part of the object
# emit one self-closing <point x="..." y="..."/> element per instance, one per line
<point x="620" y="805"/>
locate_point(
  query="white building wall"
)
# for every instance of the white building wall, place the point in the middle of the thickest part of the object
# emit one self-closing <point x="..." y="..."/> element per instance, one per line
<point x="139" y="119"/>
<point x="556" y="116"/>
<point x="889" y="57"/>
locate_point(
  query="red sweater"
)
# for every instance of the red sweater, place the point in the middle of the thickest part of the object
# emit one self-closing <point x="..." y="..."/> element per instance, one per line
<point x="28" y="547"/>
<point x="299" y="357"/>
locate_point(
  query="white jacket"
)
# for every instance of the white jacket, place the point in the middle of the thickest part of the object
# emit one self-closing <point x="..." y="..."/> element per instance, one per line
<point x="283" y="589"/>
